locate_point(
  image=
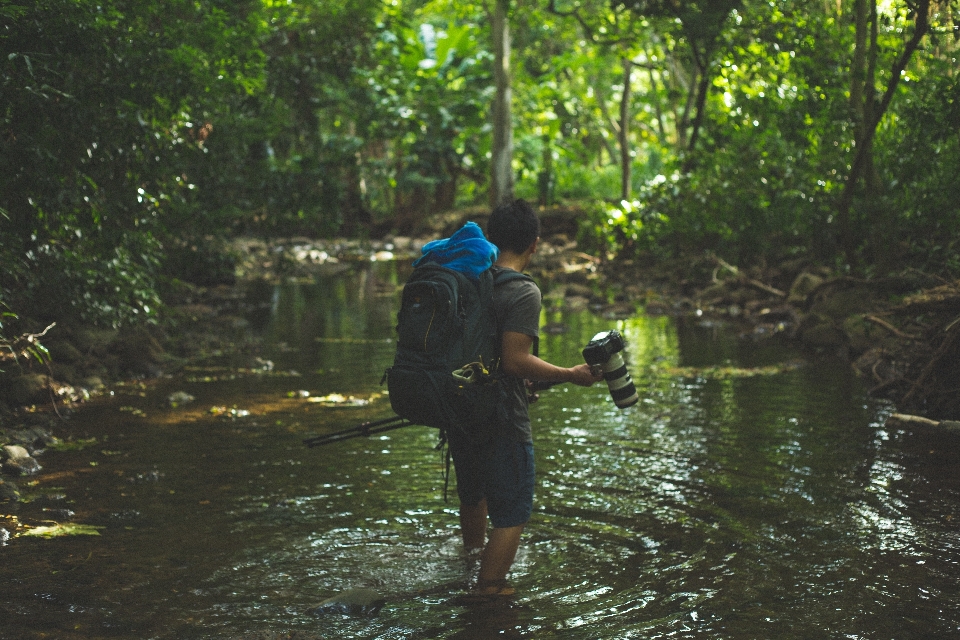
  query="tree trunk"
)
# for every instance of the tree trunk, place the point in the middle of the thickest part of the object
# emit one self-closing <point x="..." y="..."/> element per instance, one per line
<point x="703" y="87"/>
<point x="864" y="141"/>
<point x="501" y="185"/>
<point x="661" y="129"/>
<point x="859" y="61"/>
<point x="545" y="178"/>
<point x="682" y="82"/>
<point x="609" y="119"/>
<point x="624" y="133"/>
<point x="870" y="96"/>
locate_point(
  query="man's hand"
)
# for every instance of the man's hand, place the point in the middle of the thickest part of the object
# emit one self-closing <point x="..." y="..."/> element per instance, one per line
<point x="583" y="376"/>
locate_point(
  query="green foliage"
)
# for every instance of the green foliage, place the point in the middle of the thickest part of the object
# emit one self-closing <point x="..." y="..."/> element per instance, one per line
<point x="432" y="92"/>
<point x="25" y="345"/>
<point x="919" y="159"/>
<point x="626" y="229"/>
<point x="294" y="144"/>
<point x="776" y="147"/>
<point x="133" y="135"/>
<point x="101" y="119"/>
<point x="109" y="288"/>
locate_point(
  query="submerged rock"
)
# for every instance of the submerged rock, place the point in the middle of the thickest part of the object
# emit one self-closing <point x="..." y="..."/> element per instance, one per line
<point x="178" y="398"/>
<point x="21" y="466"/>
<point x="361" y="601"/>
<point x="9" y="492"/>
<point x="58" y="515"/>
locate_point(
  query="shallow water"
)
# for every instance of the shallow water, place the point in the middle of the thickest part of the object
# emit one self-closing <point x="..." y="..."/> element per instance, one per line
<point x="747" y="495"/>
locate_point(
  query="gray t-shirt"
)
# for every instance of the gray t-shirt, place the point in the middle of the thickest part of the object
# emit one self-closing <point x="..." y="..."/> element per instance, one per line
<point x="517" y="307"/>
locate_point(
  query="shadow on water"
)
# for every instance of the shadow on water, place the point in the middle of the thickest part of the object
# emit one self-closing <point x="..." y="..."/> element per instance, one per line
<point x="745" y="496"/>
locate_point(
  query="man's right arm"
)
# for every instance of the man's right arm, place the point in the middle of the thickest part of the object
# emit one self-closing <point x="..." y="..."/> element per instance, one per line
<point x="518" y="361"/>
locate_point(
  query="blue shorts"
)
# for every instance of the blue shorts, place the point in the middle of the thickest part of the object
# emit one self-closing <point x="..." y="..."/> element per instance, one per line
<point x="502" y="471"/>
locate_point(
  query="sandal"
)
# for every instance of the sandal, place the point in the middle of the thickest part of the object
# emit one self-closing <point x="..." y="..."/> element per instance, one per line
<point x="486" y="592"/>
<point x="494" y="588"/>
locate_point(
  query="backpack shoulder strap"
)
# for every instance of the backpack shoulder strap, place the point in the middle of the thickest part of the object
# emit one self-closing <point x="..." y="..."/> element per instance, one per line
<point x="502" y="276"/>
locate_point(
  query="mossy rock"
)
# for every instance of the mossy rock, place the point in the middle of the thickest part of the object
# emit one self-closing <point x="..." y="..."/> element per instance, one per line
<point x="744" y="295"/>
<point x="26" y="389"/>
<point x="817" y="330"/>
<point x="861" y="334"/>
<point x="803" y="285"/>
<point x="93" y="340"/>
<point x="63" y="351"/>
<point x="840" y="304"/>
<point x="64" y="372"/>
<point x="137" y="352"/>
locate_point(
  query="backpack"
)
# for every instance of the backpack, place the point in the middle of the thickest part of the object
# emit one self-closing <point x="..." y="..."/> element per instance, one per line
<point x="445" y="371"/>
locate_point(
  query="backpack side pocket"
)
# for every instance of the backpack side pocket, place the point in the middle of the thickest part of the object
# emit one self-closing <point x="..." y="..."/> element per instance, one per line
<point x="426" y="318"/>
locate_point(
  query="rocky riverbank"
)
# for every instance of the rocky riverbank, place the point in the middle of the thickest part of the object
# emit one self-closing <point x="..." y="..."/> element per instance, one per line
<point x="898" y="332"/>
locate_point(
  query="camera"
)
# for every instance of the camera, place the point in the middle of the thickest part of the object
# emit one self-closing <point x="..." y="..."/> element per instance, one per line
<point x="605" y="353"/>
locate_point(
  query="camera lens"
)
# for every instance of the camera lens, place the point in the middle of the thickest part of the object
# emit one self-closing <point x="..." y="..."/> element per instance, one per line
<point x="606" y="350"/>
<point x="621" y="386"/>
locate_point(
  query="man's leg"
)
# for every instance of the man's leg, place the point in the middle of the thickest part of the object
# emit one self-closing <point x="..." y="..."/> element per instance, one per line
<point x="510" y="500"/>
<point x="473" y="525"/>
<point x="498" y="556"/>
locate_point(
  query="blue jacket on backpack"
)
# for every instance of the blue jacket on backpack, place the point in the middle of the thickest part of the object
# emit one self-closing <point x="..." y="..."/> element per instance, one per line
<point x="466" y="251"/>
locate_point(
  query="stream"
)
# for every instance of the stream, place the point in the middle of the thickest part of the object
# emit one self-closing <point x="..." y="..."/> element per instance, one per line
<point x="749" y="494"/>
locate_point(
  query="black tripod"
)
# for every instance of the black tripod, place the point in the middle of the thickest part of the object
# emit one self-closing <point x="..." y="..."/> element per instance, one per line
<point x="361" y="430"/>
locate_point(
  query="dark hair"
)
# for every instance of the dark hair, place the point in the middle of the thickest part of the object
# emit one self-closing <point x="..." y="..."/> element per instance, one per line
<point x="513" y="226"/>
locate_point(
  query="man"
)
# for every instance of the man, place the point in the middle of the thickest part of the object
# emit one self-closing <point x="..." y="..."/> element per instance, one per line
<point x="495" y="478"/>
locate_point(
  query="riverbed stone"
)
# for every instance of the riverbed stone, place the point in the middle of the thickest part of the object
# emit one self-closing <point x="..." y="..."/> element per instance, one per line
<point x="19" y="462"/>
<point x="14" y="451"/>
<point x="31" y="439"/>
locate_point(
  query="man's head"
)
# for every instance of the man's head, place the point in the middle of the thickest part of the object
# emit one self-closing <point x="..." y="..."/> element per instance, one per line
<point x="513" y="226"/>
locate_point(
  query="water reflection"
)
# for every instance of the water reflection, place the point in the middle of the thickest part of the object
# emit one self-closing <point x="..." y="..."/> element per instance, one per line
<point x="739" y="498"/>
